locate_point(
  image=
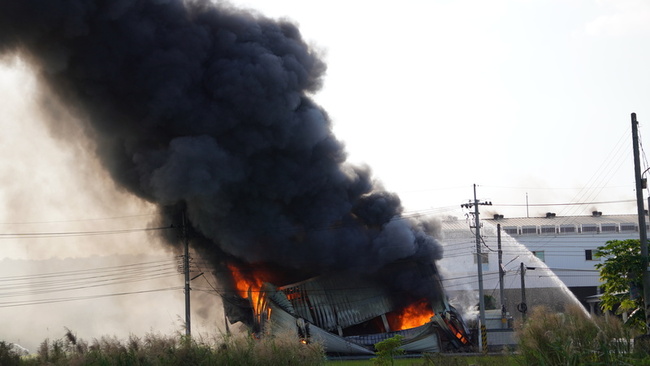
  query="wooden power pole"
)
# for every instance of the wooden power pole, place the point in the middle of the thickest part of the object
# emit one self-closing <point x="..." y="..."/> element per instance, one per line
<point x="482" y="345"/>
<point x="502" y="273"/>
<point x="186" y="270"/>
<point x="643" y="234"/>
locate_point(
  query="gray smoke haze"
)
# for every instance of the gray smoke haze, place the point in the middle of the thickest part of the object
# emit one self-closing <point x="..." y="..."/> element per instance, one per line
<point x="206" y="109"/>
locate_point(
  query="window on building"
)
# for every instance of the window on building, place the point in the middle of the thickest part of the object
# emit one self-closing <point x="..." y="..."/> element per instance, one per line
<point x="485" y="261"/>
<point x="590" y="255"/>
<point x="529" y="230"/>
<point x="589" y="228"/>
<point x="608" y="228"/>
<point x="628" y="227"/>
<point x="484" y="258"/>
<point x="548" y="229"/>
<point x="511" y="230"/>
<point x="568" y="229"/>
<point x="539" y="254"/>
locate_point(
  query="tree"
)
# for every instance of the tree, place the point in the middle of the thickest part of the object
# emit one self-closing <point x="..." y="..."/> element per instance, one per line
<point x="387" y="350"/>
<point x="8" y="355"/>
<point x="622" y="277"/>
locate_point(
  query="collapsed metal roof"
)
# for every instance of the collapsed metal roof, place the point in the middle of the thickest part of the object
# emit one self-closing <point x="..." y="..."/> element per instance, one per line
<point x="349" y="313"/>
<point x="337" y="302"/>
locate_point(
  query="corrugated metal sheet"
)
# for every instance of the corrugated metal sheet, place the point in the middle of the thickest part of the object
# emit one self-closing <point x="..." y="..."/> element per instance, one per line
<point x="335" y="344"/>
<point x="322" y="308"/>
<point x="332" y="302"/>
<point x="278" y="297"/>
<point x="280" y="322"/>
<point x="420" y="339"/>
<point x="462" y="224"/>
<point x="555" y="225"/>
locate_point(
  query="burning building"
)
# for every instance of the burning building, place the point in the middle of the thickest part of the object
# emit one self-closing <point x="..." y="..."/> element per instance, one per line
<point x="348" y="313"/>
<point x="205" y="110"/>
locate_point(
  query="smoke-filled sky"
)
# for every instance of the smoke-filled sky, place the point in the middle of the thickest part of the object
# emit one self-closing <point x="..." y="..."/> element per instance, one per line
<point x="516" y="96"/>
<point x="207" y="110"/>
<point x="519" y="97"/>
<point x="202" y="110"/>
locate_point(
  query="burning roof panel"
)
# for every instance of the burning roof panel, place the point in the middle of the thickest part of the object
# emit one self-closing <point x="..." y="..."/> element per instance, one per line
<point x="338" y="302"/>
<point x="279" y="321"/>
<point x="350" y="313"/>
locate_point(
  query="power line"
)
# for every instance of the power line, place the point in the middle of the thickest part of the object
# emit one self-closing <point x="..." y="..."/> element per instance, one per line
<point x="65" y="234"/>
<point x="561" y="204"/>
<point x="329" y="226"/>
<point x="79" y="220"/>
<point x="10" y="304"/>
<point x="88" y="270"/>
<point x="16" y="286"/>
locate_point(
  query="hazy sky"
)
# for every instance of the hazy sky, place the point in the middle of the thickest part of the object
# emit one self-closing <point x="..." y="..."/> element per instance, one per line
<point x="516" y="96"/>
<point x="519" y="97"/>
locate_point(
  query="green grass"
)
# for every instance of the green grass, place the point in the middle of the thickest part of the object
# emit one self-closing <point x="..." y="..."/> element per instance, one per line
<point x="546" y="339"/>
<point x="441" y="360"/>
<point x="160" y="350"/>
<point x="568" y="338"/>
<point x="573" y="338"/>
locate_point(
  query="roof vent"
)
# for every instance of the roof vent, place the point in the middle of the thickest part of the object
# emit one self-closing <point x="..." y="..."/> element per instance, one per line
<point x="498" y="217"/>
<point x="597" y="214"/>
<point x="550" y="215"/>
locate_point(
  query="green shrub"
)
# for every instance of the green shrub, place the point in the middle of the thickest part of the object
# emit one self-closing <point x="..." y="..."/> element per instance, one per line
<point x="8" y="355"/>
<point x="574" y="338"/>
<point x="387" y="350"/>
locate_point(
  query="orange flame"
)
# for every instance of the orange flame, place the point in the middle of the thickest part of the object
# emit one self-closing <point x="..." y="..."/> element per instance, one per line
<point x="248" y="285"/>
<point x="460" y="335"/>
<point x="414" y="315"/>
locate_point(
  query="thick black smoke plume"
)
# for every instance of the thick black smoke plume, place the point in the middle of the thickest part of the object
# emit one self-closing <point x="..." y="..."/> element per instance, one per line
<point x="205" y="108"/>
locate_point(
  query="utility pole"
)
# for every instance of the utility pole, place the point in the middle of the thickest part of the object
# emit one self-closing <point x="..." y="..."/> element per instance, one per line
<point x="527" y="204"/>
<point x="502" y="273"/>
<point x="186" y="270"/>
<point x="643" y="235"/>
<point x="523" y="307"/>
<point x="482" y="347"/>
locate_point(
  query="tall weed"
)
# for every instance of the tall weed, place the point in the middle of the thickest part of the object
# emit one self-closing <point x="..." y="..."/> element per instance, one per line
<point x="161" y="350"/>
<point x="570" y="338"/>
<point x="8" y="355"/>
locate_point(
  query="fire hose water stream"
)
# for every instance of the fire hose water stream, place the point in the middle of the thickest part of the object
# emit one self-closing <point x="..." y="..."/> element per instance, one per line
<point x="458" y="266"/>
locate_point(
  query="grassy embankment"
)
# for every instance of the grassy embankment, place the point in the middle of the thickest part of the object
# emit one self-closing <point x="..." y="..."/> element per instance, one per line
<point x="549" y="339"/>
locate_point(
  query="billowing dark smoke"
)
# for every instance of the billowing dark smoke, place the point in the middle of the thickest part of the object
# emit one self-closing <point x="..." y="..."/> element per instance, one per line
<point x="204" y="108"/>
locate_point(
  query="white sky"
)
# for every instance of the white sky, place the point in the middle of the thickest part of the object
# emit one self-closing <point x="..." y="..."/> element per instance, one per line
<point x="521" y="97"/>
<point x="516" y="96"/>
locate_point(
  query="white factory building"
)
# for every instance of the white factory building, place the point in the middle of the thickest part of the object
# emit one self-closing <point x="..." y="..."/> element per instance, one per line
<point x="553" y="250"/>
